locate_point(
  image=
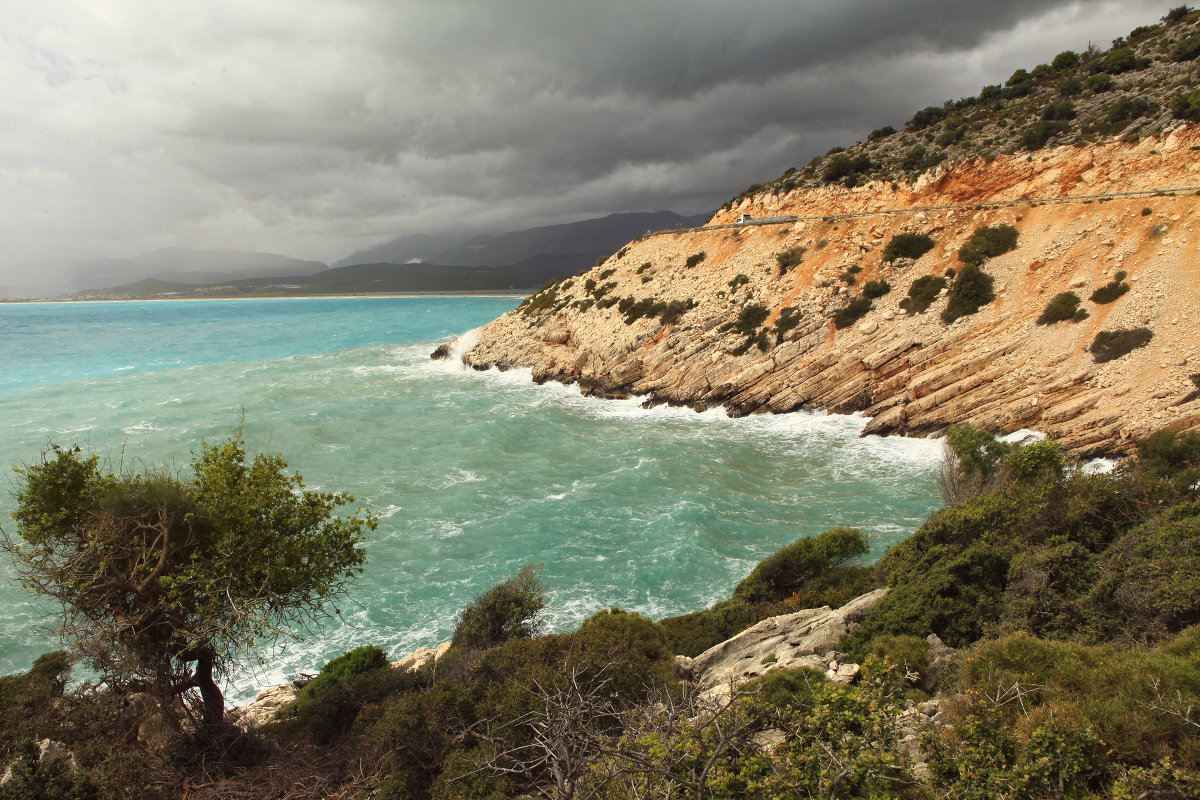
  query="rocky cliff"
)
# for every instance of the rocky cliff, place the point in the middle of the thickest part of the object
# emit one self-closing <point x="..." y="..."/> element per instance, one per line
<point x="676" y="316"/>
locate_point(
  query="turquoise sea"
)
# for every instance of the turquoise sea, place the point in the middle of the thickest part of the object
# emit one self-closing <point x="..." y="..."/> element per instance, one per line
<point x="659" y="511"/>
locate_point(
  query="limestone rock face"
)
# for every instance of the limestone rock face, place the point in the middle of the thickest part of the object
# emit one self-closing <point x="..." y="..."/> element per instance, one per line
<point x="266" y="704"/>
<point x="911" y="374"/>
<point x="421" y="657"/>
<point x="804" y="639"/>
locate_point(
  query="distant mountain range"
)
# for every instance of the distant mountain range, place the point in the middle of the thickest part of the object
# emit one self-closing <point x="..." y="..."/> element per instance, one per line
<point x="601" y="235"/>
<point x="50" y="278"/>
<point x="513" y="261"/>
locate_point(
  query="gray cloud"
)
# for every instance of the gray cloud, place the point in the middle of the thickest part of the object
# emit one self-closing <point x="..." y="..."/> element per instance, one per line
<point x="313" y="128"/>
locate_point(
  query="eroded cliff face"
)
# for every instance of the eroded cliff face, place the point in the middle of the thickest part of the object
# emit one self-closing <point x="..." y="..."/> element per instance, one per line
<point x="912" y="374"/>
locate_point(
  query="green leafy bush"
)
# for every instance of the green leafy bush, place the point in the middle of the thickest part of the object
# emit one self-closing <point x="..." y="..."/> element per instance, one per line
<point x="1109" y="345"/>
<point x="978" y="452"/>
<point x="922" y="293"/>
<point x="930" y="115"/>
<point x="875" y="288"/>
<point x="844" y="166"/>
<point x="1046" y="587"/>
<point x="1036" y="135"/>
<point x="542" y="299"/>
<point x="988" y="242"/>
<point x="1067" y="59"/>
<point x="1149" y="579"/>
<point x="1060" y="110"/>
<point x="971" y="289"/>
<point x="668" y="312"/>
<point x="30" y="778"/>
<point x="695" y="258"/>
<point x="606" y="274"/>
<point x="1118" y="115"/>
<point x="1186" y="105"/>
<point x="907" y="245"/>
<point x="741" y="279"/>
<point x="1167" y="454"/>
<point x="919" y="158"/>
<point x="983" y="757"/>
<point x="331" y="713"/>
<point x="1041" y="461"/>
<point x="1119" y="60"/>
<point x="1115" y="693"/>
<point x="749" y="318"/>
<point x="355" y="662"/>
<point x="692" y="634"/>
<point x="852" y="312"/>
<point x="1177" y="14"/>
<point x="1064" y="306"/>
<point x="909" y="653"/>
<point x="1111" y="290"/>
<point x="1186" y="49"/>
<point x="508" y="610"/>
<point x="782" y="574"/>
<point x="28" y="699"/>
<point x="1099" y="83"/>
<point x="881" y="133"/>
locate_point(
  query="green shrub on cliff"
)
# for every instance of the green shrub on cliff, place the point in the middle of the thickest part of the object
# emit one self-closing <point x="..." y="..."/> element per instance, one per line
<point x="971" y="289"/>
<point x="921" y="294"/>
<point x="1052" y="551"/>
<point x="875" y="288"/>
<point x="1133" y="703"/>
<point x="907" y="245"/>
<point x="852" y="312"/>
<point x="988" y="242"/>
<point x="509" y="610"/>
<point x="1111" y="290"/>
<point x="808" y="573"/>
<point x="1064" y="306"/>
<point x="1110" y="345"/>
<point x="787" y="570"/>
<point x="355" y="662"/>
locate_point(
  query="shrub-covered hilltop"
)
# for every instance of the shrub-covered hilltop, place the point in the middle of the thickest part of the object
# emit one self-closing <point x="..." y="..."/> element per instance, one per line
<point x="1138" y="87"/>
<point x="1039" y="637"/>
<point x="987" y="265"/>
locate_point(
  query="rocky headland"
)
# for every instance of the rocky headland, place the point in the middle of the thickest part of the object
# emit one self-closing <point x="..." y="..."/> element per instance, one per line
<point x="664" y="317"/>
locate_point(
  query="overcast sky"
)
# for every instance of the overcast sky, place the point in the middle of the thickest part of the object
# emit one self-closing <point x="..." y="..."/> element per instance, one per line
<point x="315" y="127"/>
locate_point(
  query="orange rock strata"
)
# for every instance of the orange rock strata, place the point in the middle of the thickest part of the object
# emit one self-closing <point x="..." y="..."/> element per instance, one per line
<point x="912" y="374"/>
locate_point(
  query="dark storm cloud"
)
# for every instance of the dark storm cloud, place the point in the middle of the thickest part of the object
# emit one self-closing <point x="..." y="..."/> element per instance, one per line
<point x="313" y="128"/>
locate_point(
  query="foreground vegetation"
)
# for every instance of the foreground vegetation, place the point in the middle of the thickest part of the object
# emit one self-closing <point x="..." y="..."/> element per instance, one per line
<point x="1072" y="600"/>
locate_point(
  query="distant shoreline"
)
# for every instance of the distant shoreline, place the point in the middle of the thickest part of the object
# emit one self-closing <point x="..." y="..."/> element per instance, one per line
<point x="365" y="295"/>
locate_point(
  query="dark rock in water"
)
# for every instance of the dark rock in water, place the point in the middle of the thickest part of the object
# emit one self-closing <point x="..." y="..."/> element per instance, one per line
<point x="442" y="351"/>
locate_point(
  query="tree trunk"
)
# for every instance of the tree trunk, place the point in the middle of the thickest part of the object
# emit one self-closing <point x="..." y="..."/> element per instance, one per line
<point x="214" y="701"/>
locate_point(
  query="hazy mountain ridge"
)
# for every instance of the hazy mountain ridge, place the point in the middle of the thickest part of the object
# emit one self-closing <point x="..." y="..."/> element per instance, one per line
<point x="515" y="261"/>
<point x="176" y="265"/>
<point x="597" y="235"/>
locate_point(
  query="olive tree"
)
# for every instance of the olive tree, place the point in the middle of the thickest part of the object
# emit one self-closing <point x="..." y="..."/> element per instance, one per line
<point x="165" y="580"/>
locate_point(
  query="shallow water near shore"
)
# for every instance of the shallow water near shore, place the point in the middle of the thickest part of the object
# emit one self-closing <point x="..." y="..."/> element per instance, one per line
<point x="659" y="511"/>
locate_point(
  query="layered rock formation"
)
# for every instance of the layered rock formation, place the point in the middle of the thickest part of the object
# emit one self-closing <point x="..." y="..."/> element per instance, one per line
<point x="806" y="638"/>
<point x="912" y="374"/>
